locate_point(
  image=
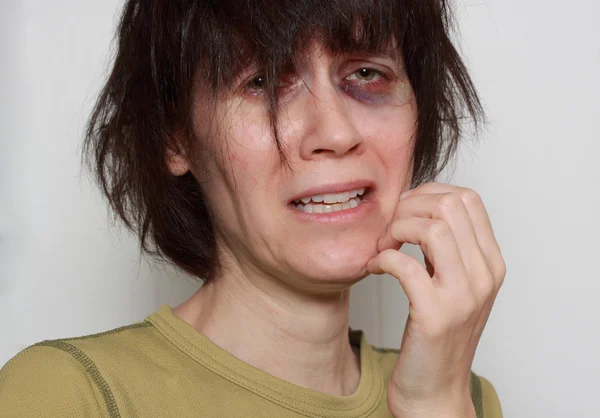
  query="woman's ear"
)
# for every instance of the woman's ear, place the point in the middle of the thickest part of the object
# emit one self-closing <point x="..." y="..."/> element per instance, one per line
<point x="177" y="163"/>
<point x="177" y="159"/>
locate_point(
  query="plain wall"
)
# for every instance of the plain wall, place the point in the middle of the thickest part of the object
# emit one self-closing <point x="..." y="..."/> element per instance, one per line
<point x="65" y="271"/>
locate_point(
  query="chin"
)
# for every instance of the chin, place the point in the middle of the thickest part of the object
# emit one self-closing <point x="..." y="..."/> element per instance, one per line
<point x="338" y="264"/>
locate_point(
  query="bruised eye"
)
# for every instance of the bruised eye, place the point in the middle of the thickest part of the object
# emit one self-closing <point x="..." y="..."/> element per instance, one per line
<point x="369" y="85"/>
<point x="366" y="74"/>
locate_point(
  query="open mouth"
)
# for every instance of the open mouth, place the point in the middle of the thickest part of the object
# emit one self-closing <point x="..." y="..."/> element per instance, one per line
<point x="333" y="202"/>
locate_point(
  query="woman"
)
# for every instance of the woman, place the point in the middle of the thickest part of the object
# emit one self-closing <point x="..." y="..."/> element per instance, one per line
<point x="281" y="152"/>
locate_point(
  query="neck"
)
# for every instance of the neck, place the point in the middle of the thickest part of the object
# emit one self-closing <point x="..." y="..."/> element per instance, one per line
<point x="298" y="338"/>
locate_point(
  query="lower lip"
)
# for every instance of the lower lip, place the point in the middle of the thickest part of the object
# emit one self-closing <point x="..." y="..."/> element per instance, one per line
<point x="346" y="215"/>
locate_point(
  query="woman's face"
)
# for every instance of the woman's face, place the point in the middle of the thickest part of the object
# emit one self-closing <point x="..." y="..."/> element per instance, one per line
<point x="346" y="126"/>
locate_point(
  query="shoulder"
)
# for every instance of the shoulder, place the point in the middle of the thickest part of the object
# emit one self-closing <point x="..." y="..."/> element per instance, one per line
<point x="47" y="382"/>
<point x="490" y="403"/>
<point x="68" y="377"/>
<point x="483" y="393"/>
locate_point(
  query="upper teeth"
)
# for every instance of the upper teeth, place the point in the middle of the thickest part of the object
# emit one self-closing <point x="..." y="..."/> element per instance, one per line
<point x="333" y="197"/>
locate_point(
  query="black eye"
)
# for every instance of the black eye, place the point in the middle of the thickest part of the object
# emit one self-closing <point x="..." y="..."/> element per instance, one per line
<point x="366" y="74"/>
<point x="257" y="83"/>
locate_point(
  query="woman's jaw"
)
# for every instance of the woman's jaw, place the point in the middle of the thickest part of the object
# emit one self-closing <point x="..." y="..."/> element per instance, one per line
<point x="312" y="250"/>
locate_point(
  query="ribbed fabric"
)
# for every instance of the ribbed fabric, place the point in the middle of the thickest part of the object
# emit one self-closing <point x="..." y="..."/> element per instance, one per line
<point x="162" y="367"/>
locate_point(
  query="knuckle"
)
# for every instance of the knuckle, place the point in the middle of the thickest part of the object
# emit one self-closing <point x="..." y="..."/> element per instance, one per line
<point x="449" y="201"/>
<point x="499" y="282"/>
<point x="411" y="267"/>
<point x="471" y="198"/>
<point x="500" y="272"/>
<point x="488" y="287"/>
<point x="437" y="230"/>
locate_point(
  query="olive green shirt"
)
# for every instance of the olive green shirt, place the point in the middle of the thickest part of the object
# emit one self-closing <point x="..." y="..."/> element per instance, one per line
<point x="162" y="367"/>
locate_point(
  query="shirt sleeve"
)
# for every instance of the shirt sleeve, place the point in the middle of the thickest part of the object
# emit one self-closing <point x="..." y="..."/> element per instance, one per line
<point x="490" y="400"/>
<point x="47" y="382"/>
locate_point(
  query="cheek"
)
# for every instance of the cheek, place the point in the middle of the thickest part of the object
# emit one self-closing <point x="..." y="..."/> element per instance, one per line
<point x="239" y="156"/>
<point x="249" y="147"/>
<point x="395" y="154"/>
<point x="390" y="134"/>
<point x="395" y="143"/>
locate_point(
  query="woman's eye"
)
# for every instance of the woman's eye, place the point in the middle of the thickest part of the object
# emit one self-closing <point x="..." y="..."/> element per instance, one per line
<point x="257" y="83"/>
<point x="366" y="74"/>
<point x="369" y="85"/>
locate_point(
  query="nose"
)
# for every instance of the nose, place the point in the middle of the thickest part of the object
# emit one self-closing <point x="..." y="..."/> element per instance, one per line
<point x="328" y="131"/>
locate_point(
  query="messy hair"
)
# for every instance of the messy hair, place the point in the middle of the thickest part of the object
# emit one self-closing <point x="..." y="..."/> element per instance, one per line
<point x="162" y="46"/>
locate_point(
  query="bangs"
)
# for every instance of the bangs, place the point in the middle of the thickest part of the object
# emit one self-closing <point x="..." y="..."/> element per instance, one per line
<point x="271" y="35"/>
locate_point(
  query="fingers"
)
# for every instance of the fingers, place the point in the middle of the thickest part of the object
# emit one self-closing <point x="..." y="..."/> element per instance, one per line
<point x="411" y="274"/>
<point x="452" y="227"/>
<point x="439" y="209"/>
<point x="444" y="206"/>
<point x="439" y="246"/>
<point x="480" y="220"/>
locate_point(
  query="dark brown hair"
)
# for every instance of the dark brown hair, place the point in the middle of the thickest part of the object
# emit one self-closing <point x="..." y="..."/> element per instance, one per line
<point x="165" y="47"/>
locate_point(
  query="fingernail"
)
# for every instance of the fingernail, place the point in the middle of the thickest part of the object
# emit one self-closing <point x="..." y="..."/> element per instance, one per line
<point x="405" y="194"/>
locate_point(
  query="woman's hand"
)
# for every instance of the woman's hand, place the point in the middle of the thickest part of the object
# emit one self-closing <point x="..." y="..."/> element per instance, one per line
<point x="450" y="298"/>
